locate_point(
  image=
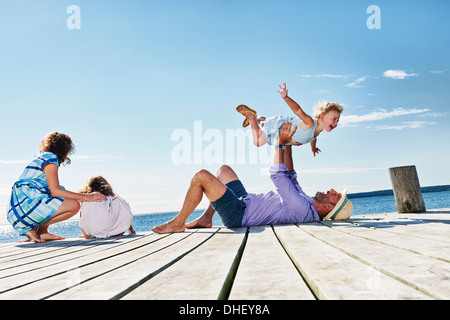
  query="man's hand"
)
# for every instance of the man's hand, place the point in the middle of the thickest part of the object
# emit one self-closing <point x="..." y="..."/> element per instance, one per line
<point x="286" y="134"/>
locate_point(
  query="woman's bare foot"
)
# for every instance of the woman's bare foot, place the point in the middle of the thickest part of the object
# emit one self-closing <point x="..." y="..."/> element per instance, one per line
<point x="50" y="236"/>
<point x="32" y="235"/>
<point x="43" y="233"/>
<point x="200" y="222"/>
<point x="169" y="227"/>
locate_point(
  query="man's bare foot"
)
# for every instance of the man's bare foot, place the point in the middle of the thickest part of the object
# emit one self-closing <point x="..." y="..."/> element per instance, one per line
<point x="169" y="227"/>
<point x="32" y="235"/>
<point x="200" y="222"/>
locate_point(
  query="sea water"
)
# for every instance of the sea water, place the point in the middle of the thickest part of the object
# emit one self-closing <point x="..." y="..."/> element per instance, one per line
<point x="145" y="222"/>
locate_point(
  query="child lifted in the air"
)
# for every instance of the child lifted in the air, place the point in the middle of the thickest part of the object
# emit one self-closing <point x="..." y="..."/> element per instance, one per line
<point x="326" y="117"/>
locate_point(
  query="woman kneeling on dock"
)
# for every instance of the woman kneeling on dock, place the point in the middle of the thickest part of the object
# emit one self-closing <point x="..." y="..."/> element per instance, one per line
<point x="237" y="208"/>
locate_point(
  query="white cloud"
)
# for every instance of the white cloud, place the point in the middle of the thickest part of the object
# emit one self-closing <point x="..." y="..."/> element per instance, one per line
<point x="405" y="125"/>
<point x="355" y="84"/>
<point x="13" y="161"/>
<point x="433" y="114"/>
<point x="81" y="158"/>
<point x="324" y="75"/>
<point x="378" y="115"/>
<point x="95" y="158"/>
<point x="397" y="74"/>
<point x="338" y="170"/>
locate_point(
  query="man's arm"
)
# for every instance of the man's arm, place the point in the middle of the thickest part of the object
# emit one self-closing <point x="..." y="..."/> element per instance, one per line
<point x="288" y="157"/>
<point x="282" y="174"/>
<point x="284" y="137"/>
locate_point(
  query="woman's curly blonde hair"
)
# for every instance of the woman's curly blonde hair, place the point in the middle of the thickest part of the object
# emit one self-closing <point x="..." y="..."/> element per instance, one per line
<point x="60" y="144"/>
<point x="98" y="184"/>
<point x="324" y="107"/>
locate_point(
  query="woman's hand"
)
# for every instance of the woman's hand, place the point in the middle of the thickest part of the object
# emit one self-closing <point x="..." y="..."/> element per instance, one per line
<point x="95" y="197"/>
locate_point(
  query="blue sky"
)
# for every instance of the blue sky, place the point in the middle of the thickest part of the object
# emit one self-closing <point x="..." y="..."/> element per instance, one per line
<point x="139" y="78"/>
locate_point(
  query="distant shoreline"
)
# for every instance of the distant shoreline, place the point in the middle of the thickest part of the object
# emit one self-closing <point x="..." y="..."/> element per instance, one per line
<point x="369" y="194"/>
<point x="390" y="192"/>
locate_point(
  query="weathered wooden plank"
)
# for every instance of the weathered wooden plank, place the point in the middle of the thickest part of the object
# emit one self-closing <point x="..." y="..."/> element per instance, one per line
<point x="83" y="247"/>
<point x="202" y="274"/>
<point x="442" y="215"/>
<point x="266" y="272"/>
<point x="333" y="274"/>
<point x="430" y="276"/>
<point x="133" y="268"/>
<point x="434" y="231"/>
<point x="410" y="241"/>
<point x="420" y="228"/>
<point x="11" y="251"/>
<point x="38" y="283"/>
<point x="385" y="256"/>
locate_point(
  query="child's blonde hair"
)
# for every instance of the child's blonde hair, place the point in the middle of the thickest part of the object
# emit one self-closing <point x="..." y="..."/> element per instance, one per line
<point x="323" y="107"/>
<point x="98" y="184"/>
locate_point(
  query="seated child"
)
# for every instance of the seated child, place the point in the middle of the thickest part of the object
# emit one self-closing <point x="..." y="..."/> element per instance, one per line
<point x="265" y="130"/>
<point x="110" y="218"/>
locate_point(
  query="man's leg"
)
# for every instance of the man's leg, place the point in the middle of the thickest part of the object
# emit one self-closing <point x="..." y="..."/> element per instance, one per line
<point x="225" y="174"/>
<point x="204" y="221"/>
<point x="202" y="182"/>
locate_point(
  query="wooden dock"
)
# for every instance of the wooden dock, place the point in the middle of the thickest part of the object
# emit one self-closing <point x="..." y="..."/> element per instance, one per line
<point x="383" y="256"/>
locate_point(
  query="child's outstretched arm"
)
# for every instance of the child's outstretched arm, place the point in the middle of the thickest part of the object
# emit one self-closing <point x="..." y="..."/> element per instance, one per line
<point x="314" y="148"/>
<point x="295" y="107"/>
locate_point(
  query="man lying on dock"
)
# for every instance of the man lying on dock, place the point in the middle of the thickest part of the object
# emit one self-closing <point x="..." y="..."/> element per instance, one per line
<point x="237" y="208"/>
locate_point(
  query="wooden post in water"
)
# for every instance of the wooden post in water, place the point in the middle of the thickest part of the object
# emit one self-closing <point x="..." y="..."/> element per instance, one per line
<point x="405" y="183"/>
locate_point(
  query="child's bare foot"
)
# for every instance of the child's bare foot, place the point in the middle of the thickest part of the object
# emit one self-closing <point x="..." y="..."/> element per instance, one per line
<point x="200" y="222"/>
<point x="248" y="113"/>
<point x="169" y="227"/>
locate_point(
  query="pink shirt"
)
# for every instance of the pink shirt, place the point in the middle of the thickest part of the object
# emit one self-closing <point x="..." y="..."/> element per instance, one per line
<point x="107" y="218"/>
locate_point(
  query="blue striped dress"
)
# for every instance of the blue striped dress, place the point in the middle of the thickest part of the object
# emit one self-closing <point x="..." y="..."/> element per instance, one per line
<point x="31" y="202"/>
